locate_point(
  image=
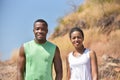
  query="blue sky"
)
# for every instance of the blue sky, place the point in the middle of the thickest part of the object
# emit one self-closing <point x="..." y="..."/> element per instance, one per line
<point x="17" y="17"/>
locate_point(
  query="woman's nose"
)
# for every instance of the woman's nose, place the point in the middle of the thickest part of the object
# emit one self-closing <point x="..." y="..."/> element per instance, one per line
<point x="76" y="39"/>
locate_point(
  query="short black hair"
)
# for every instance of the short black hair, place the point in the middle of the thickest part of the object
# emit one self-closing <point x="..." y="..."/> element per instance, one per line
<point x="41" y="20"/>
<point x="76" y="29"/>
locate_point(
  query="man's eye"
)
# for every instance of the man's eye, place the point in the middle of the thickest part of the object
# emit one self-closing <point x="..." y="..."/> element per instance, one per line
<point x="37" y="28"/>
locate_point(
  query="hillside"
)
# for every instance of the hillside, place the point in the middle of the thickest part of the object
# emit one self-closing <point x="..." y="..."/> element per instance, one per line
<point x="91" y="14"/>
<point x="100" y="22"/>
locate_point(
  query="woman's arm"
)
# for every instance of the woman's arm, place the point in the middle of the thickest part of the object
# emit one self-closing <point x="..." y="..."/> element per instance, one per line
<point x="68" y="69"/>
<point x="94" y="65"/>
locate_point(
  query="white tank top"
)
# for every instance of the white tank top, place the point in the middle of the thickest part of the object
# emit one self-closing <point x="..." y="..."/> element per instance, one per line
<point x="80" y="66"/>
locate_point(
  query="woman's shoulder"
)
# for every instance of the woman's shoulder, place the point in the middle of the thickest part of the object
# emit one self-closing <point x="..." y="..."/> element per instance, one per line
<point x="89" y="50"/>
<point x="92" y="53"/>
<point x="69" y="54"/>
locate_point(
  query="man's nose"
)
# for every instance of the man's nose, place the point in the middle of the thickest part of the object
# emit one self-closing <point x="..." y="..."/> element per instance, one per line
<point x="39" y="30"/>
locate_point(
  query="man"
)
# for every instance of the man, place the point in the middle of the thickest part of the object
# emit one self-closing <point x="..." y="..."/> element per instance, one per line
<point x="36" y="57"/>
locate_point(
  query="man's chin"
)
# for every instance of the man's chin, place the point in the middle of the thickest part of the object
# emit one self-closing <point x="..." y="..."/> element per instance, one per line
<point x="40" y="39"/>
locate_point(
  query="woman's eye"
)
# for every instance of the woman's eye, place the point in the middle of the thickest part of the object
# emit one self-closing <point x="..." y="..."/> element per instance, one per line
<point x="77" y="37"/>
<point x="73" y="37"/>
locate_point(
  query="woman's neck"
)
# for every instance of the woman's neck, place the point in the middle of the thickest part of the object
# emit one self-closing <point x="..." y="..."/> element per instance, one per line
<point x="80" y="50"/>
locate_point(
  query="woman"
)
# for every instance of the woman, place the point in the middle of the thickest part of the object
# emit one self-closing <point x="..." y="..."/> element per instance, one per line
<point x="82" y="62"/>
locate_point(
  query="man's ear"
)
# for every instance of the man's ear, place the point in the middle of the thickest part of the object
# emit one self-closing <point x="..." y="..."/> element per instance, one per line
<point x="47" y="30"/>
<point x="33" y="30"/>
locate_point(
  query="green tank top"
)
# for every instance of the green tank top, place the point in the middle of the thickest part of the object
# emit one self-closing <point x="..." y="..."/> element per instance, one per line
<point x="39" y="59"/>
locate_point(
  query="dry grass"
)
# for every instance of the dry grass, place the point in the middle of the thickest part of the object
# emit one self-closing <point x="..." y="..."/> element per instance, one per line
<point x="64" y="45"/>
<point x="90" y="13"/>
<point x="14" y="56"/>
<point x="114" y="43"/>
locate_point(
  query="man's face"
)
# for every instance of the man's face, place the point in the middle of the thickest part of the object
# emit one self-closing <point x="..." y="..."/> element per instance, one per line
<point x="40" y="31"/>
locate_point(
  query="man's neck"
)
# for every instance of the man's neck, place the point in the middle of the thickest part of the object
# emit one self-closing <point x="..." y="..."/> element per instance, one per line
<point x="40" y="41"/>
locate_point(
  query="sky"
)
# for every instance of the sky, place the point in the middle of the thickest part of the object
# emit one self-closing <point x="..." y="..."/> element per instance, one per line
<point x="17" y="18"/>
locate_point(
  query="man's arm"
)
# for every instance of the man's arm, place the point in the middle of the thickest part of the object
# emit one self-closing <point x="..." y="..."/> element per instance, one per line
<point x="94" y="65"/>
<point x="21" y="64"/>
<point x="58" y="65"/>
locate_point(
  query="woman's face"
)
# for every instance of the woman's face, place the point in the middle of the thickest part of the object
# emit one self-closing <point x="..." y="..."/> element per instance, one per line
<point x="76" y="39"/>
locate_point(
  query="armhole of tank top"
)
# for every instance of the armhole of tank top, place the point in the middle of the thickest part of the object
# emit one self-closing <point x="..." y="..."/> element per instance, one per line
<point x="24" y="48"/>
<point x="55" y="49"/>
<point x="26" y="44"/>
<point x="55" y="46"/>
<point x="69" y="55"/>
<point x="88" y="53"/>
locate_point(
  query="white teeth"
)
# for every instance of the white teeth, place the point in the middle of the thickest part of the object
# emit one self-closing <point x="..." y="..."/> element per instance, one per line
<point x="76" y="43"/>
